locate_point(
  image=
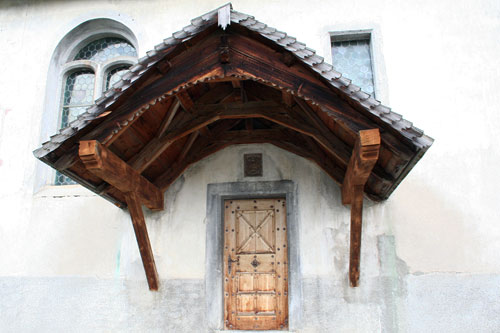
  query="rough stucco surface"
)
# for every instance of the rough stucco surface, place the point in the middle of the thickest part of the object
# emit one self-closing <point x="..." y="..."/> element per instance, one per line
<point x="433" y="303"/>
<point x="388" y="299"/>
<point x="100" y="305"/>
<point x="453" y="303"/>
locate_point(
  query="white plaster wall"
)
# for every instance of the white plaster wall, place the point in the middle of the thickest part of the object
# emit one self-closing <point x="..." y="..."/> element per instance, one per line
<point x="436" y="62"/>
<point x="178" y="233"/>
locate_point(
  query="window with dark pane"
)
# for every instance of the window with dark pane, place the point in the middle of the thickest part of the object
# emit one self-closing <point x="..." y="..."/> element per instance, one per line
<point x="115" y="75"/>
<point x="352" y="57"/>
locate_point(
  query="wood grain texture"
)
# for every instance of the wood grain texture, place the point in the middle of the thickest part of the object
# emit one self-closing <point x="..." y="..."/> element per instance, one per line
<point x="100" y="161"/>
<point x="284" y="139"/>
<point x="363" y="159"/>
<point x="361" y="163"/>
<point x="256" y="264"/>
<point x="355" y="240"/>
<point x="141" y="234"/>
<point x="208" y="114"/>
<point x="144" y="126"/>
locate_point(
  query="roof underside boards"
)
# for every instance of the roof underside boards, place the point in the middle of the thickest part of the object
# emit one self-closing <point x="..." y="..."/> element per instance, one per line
<point x="206" y="88"/>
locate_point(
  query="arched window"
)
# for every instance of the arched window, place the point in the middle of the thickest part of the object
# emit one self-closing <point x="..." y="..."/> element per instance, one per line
<point x="92" y="70"/>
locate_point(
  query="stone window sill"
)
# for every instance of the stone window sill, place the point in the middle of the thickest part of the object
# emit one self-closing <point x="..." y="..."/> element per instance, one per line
<point x="61" y="191"/>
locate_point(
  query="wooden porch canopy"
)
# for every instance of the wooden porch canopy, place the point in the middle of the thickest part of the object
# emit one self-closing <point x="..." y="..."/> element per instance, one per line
<point x="228" y="79"/>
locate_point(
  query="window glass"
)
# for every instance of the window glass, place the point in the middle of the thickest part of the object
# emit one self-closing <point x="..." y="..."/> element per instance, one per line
<point x="78" y="95"/>
<point x="104" y="49"/>
<point x="79" y="89"/>
<point x="352" y="58"/>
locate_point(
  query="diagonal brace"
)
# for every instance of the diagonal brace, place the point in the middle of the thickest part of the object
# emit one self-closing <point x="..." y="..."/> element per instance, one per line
<point x="137" y="190"/>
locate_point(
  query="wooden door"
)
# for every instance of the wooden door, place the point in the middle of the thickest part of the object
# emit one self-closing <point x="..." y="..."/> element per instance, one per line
<point x="255" y="264"/>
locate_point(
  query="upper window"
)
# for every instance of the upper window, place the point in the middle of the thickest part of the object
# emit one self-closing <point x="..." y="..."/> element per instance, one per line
<point x="351" y="54"/>
<point x="94" y="69"/>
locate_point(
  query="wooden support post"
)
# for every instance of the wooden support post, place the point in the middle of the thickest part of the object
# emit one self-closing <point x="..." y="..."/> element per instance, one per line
<point x="137" y="190"/>
<point x="363" y="159"/>
<point x="141" y="234"/>
<point x="355" y="244"/>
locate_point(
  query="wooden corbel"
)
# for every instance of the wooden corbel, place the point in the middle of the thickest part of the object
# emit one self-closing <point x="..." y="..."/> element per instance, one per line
<point x="363" y="159"/>
<point x="100" y="161"/>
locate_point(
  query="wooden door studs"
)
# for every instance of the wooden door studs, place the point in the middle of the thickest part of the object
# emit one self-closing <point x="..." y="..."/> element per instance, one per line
<point x="256" y="264"/>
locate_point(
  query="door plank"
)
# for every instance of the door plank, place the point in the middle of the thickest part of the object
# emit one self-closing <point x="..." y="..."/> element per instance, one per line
<point x="255" y="269"/>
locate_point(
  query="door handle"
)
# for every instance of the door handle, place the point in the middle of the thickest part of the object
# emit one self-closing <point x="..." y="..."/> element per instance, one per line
<point x="230" y="262"/>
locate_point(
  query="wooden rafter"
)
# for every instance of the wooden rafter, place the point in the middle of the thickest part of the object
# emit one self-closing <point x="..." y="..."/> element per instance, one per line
<point x="364" y="156"/>
<point x="287" y="98"/>
<point x="252" y="59"/>
<point x="282" y="138"/>
<point x="207" y="114"/>
<point x="189" y="143"/>
<point x="185" y="100"/>
<point x="172" y="111"/>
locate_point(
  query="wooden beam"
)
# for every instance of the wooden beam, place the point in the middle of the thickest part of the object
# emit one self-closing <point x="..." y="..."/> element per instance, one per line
<point x="141" y="234"/>
<point x="363" y="159"/>
<point x="198" y="63"/>
<point x="204" y="131"/>
<point x="187" y="146"/>
<point x="217" y="92"/>
<point x="67" y="160"/>
<point x="282" y="138"/>
<point x="172" y="111"/>
<point x="253" y="59"/>
<point x="355" y="242"/>
<point x="288" y="58"/>
<point x="287" y="98"/>
<point x="361" y="163"/>
<point x="225" y="125"/>
<point x="100" y="161"/>
<point x="207" y="114"/>
<point x="185" y="100"/>
<point x="163" y="66"/>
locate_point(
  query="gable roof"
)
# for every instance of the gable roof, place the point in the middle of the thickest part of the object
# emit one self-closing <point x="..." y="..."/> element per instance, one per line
<point x="405" y="142"/>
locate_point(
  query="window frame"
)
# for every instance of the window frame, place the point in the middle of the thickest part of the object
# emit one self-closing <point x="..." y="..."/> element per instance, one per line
<point x="100" y="70"/>
<point x="75" y="36"/>
<point x="357" y="35"/>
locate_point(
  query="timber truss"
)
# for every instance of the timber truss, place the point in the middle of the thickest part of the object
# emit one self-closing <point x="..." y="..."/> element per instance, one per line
<point x="228" y="79"/>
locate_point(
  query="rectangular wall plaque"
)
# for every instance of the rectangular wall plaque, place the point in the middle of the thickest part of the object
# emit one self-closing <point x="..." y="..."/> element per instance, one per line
<point x="252" y="165"/>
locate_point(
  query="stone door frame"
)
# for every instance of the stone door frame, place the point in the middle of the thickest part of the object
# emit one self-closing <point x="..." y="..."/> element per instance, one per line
<point x="214" y="265"/>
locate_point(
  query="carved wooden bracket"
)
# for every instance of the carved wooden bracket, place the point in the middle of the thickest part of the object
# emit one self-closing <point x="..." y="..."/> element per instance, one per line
<point x="364" y="156"/>
<point x="137" y="190"/>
